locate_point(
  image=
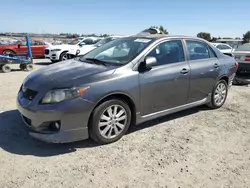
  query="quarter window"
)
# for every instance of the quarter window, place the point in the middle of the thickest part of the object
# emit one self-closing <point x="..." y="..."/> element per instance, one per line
<point x="168" y="52"/>
<point x="199" y="50"/>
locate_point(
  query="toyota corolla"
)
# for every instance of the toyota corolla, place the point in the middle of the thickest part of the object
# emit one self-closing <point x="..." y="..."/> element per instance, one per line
<point x="101" y="94"/>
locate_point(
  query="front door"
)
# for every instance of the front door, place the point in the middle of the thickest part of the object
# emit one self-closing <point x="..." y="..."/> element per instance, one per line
<point x="22" y="49"/>
<point x="166" y="85"/>
<point x="205" y="69"/>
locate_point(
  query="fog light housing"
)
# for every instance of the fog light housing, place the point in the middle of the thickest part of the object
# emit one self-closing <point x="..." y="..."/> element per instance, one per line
<point x="55" y="126"/>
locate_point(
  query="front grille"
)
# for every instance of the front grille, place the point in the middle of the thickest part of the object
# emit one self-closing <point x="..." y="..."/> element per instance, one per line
<point x="46" y="51"/>
<point x="29" y="94"/>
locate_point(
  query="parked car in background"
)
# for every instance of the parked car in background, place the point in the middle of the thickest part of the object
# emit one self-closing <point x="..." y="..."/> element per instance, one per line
<point x="20" y="48"/>
<point x="242" y="55"/>
<point x="87" y="48"/>
<point x="224" y="48"/>
<point x="59" y="52"/>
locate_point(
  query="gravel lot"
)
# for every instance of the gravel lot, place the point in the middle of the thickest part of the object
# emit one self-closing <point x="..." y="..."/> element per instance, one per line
<point x="194" y="148"/>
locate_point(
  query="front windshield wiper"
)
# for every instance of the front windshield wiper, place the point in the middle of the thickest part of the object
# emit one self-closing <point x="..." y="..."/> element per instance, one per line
<point x="97" y="61"/>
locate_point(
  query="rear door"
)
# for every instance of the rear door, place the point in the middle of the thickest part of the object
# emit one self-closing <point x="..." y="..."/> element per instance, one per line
<point x="205" y="69"/>
<point x="37" y="48"/>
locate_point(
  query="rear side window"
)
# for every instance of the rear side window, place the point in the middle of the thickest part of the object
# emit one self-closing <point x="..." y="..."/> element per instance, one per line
<point x="199" y="50"/>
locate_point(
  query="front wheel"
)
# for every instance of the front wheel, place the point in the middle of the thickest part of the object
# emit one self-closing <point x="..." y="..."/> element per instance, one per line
<point x="63" y="56"/>
<point x="219" y="94"/>
<point x="110" y="121"/>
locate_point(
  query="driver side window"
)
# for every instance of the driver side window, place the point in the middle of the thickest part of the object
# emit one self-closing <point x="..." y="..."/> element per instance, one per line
<point x="168" y="52"/>
<point x="24" y="43"/>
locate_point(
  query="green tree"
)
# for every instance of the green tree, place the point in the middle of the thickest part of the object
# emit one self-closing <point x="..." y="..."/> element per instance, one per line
<point x="246" y="37"/>
<point x="161" y="28"/>
<point x="237" y="38"/>
<point x="204" y="35"/>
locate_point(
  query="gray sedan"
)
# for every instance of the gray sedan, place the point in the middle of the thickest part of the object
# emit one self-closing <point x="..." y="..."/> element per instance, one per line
<point x="122" y="83"/>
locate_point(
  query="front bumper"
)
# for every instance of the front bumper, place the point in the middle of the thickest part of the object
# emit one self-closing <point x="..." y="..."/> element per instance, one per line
<point x="55" y="56"/>
<point x="73" y="116"/>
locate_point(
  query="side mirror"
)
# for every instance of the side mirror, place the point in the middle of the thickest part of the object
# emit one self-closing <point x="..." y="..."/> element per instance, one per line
<point x="150" y="62"/>
<point x="18" y="45"/>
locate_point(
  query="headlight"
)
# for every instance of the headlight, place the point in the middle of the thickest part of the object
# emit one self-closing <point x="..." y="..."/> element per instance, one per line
<point x="60" y="95"/>
<point x="55" y="50"/>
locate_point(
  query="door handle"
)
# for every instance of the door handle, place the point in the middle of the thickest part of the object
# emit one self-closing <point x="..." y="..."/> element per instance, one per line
<point x="216" y="65"/>
<point x="184" y="71"/>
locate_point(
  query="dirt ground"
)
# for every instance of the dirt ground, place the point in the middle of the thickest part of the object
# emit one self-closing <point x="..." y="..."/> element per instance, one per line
<point x="195" y="148"/>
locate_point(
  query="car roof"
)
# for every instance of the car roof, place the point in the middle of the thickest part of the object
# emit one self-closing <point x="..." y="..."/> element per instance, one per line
<point x="162" y="36"/>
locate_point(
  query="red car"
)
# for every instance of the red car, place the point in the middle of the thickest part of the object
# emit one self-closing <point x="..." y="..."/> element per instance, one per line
<point x="20" y="48"/>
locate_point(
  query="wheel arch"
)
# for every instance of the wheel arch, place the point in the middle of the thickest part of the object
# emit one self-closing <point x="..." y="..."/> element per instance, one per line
<point x="224" y="77"/>
<point x="120" y="96"/>
<point x="9" y="50"/>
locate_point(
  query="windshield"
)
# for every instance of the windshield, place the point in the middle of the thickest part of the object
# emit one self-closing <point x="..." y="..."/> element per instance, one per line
<point x="104" y="41"/>
<point x="119" y="51"/>
<point x="73" y="42"/>
<point x="243" y="47"/>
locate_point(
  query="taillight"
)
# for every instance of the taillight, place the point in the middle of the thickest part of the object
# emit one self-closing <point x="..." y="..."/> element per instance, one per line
<point x="236" y="65"/>
<point x="247" y="58"/>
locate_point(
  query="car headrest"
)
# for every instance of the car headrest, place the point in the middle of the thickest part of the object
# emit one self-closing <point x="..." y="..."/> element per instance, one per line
<point x="201" y="50"/>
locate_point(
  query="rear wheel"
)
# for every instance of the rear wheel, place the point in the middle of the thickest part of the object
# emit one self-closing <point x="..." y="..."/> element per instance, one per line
<point x="219" y="94"/>
<point x="110" y="121"/>
<point x="6" y="68"/>
<point x="29" y="67"/>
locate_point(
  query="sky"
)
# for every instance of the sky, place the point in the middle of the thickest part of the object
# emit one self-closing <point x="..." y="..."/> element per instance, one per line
<point x="222" y="18"/>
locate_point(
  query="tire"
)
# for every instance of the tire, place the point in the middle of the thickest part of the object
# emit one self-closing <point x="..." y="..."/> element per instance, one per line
<point x="22" y="67"/>
<point x="63" y="56"/>
<point x="29" y="67"/>
<point x="9" y="53"/>
<point x="220" y="93"/>
<point x="6" y="68"/>
<point x="100" y="133"/>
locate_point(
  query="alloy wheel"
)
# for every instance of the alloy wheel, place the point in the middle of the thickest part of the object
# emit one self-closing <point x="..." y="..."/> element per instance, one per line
<point x="220" y="94"/>
<point x="112" y="121"/>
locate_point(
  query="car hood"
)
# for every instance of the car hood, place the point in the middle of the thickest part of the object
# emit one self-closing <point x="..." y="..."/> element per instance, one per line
<point x="62" y="46"/>
<point x="86" y="49"/>
<point x="70" y="73"/>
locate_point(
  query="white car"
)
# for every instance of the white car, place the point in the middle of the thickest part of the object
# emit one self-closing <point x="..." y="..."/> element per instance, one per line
<point x="59" y="52"/>
<point x="224" y="48"/>
<point x="87" y="48"/>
